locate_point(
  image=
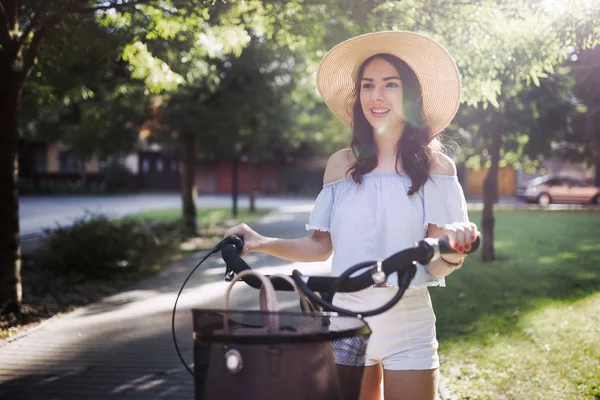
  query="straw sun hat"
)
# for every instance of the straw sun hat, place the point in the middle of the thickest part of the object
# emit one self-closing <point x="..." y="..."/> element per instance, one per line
<point x="433" y="65"/>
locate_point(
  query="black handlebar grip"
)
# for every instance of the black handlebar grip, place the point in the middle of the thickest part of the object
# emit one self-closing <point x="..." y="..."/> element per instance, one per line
<point x="446" y="249"/>
<point x="235" y="240"/>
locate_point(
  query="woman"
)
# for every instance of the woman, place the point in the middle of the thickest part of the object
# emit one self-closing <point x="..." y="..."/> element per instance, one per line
<point x="392" y="188"/>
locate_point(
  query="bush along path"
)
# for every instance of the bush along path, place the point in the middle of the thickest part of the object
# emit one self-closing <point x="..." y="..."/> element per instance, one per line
<point x="96" y="256"/>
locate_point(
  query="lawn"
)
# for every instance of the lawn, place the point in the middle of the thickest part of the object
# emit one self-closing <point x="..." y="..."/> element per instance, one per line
<point x="526" y="326"/>
<point x="212" y="223"/>
<point x="207" y="217"/>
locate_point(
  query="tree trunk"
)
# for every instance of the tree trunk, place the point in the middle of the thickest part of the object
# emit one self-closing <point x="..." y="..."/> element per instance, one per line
<point x="251" y="191"/>
<point x="16" y="59"/>
<point x="83" y="171"/>
<point x="490" y="196"/>
<point x="593" y="131"/>
<point x="597" y="159"/>
<point x="188" y="187"/>
<point x="234" y="187"/>
<point x="11" y="86"/>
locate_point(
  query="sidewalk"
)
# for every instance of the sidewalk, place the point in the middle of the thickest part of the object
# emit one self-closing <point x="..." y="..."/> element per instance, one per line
<point x="121" y="347"/>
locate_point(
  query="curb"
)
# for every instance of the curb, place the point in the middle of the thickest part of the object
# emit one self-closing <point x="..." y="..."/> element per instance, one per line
<point x="29" y="331"/>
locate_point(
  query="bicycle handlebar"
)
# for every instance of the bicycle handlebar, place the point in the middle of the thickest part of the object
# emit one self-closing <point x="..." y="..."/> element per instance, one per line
<point x="402" y="262"/>
<point x="423" y="252"/>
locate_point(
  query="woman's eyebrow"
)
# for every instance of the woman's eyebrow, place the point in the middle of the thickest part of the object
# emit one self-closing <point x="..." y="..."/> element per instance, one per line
<point x="385" y="79"/>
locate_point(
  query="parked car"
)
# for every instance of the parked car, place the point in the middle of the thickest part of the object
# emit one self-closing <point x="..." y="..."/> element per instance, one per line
<point x="558" y="189"/>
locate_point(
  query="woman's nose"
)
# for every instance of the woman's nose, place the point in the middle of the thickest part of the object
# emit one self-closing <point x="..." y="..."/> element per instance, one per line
<point x="378" y="94"/>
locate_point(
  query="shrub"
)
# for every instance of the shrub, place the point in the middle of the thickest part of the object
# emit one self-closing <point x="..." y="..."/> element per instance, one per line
<point x="116" y="176"/>
<point x="96" y="247"/>
<point x="50" y="186"/>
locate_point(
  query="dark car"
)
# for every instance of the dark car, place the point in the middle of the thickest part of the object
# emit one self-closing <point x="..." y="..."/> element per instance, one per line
<point x="558" y="189"/>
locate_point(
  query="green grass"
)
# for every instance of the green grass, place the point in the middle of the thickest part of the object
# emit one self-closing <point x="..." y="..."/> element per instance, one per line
<point x="526" y="326"/>
<point x="206" y="216"/>
<point x="212" y="224"/>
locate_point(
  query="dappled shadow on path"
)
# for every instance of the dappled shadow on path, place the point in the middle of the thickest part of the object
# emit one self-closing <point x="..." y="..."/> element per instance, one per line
<point x="106" y="357"/>
<point x="106" y="364"/>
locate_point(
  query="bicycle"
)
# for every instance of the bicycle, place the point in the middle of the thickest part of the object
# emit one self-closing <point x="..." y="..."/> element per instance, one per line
<point x="334" y="336"/>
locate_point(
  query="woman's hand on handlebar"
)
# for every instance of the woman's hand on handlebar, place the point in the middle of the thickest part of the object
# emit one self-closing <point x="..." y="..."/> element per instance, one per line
<point x="461" y="235"/>
<point x="252" y="239"/>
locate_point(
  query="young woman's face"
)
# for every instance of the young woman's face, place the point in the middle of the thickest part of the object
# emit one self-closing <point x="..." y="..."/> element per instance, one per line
<point x="381" y="96"/>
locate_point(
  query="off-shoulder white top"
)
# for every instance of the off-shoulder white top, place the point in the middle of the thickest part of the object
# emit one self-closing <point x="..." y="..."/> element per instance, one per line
<point x="378" y="218"/>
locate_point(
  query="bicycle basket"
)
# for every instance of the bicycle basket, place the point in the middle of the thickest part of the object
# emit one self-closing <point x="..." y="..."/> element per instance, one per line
<point x="263" y="355"/>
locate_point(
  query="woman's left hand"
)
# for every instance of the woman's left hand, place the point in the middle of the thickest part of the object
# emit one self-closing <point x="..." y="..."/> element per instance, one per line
<point x="461" y="235"/>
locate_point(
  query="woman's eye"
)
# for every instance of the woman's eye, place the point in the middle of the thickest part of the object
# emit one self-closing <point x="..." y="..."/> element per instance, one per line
<point x="367" y="85"/>
<point x="392" y="85"/>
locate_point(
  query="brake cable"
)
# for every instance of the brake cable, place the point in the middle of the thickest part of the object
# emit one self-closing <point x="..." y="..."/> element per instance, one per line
<point x="217" y="248"/>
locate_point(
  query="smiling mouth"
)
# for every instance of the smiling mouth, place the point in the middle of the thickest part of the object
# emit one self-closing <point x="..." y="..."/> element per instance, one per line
<point x="379" y="112"/>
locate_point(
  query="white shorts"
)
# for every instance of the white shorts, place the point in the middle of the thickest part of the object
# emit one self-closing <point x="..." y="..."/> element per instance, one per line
<point x="403" y="337"/>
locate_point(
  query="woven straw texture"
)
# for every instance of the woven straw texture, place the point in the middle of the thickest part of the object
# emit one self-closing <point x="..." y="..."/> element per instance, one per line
<point x="434" y="66"/>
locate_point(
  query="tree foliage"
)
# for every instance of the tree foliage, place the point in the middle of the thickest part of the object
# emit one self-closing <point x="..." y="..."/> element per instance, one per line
<point x="101" y="61"/>
<point x="582" y="143"/>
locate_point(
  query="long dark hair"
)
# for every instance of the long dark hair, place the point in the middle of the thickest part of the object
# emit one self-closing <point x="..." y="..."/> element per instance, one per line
<point x="415" y="147"/>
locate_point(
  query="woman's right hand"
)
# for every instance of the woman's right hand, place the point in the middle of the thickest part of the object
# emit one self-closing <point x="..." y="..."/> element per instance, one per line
<point x="252" y="239"/>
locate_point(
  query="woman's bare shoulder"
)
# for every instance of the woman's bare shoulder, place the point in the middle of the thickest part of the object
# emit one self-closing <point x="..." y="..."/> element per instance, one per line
<point x="442" y="164"/>
<point x="338" y="165"/>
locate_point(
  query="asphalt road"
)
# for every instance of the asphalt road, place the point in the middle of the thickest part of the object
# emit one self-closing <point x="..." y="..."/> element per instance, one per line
<point x="39" y="212"/>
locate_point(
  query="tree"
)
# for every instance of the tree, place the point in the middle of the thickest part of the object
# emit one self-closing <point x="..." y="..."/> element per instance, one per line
<point x="534" y="55"/>
<point x="99" y="118"/>
<point x="519" y="131"/>
<point x="186" y="113"/>
<point x="584" y="140"/>
<point x="245" y="117"/>
<point x="23" y="28"/>
<point x="215" y="116"/>
<point x="254" y="109"/>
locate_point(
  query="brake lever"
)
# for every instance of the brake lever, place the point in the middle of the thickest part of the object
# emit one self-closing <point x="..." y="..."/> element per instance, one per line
<point x="238" y="242"/>
<point x="229" y="275"/>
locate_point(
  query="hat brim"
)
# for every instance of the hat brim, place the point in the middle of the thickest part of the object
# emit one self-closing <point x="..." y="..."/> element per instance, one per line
<point x="434" y="67"/>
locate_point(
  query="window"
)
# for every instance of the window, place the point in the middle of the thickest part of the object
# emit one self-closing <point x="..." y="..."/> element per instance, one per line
<point x="67" y="162"/>
<point x="145" y="165"/>
<point x="40" y="160"/>
<point x="159" y="165"/>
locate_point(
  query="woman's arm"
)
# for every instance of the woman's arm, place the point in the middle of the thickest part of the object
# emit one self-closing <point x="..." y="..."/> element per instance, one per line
<point x="460" y="236"/>
<point x="317" y="246"/>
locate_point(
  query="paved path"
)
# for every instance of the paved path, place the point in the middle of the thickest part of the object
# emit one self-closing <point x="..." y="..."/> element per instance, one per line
<point x="121" y="347"/>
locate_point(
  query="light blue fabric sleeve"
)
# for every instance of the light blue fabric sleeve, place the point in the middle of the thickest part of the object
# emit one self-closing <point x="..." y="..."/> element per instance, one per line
<point x="444" y="201"/>
<point x="320" y="217"/>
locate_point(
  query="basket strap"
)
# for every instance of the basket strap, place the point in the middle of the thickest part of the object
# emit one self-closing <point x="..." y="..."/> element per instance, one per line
<point x="268" y="304"/>
<point x="304" y="304"/>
